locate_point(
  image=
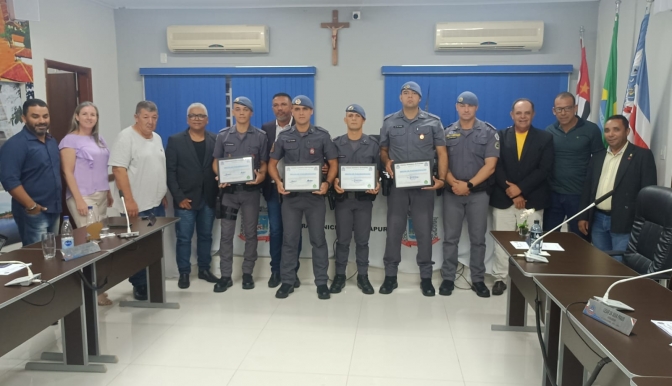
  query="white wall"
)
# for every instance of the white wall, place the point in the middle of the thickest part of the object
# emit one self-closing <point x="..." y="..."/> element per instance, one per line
<point x="659" y="59"/>
<point x="384" y="36"/>
<point x="82" y="33"/>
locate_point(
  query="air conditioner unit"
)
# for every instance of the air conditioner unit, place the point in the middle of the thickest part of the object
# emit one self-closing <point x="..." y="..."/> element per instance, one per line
<point x="507" y="36"/>
<point x="218" y="38"/>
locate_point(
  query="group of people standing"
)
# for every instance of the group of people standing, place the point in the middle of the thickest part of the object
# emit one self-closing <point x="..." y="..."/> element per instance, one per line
<point x="478" y="170"/>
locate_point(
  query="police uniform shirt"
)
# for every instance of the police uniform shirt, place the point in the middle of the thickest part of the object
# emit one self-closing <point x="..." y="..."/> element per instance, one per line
<point x="411" y="140"/>
<point x="253" y="142"/>
<point x="311" y="147"/>
<point x="468" y="149"/>
<point x="365" y="151"/>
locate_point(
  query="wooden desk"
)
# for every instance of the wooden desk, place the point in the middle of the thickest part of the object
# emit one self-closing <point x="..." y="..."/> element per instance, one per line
<point x="125" y="257"/>
<point x="646" y="352"/>
<point x="646" y="381"/>
<point x="579" y="258"/>
<point x="63" y="299"/>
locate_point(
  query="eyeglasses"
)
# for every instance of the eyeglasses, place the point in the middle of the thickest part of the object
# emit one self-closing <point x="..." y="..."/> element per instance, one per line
<point x="567" y="109"/>
<point x="197" y="116"/>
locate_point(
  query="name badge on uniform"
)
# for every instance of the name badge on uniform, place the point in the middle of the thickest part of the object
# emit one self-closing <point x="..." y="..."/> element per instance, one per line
<point x="397" y="126"/>
<point x="229" y="144"/>
<point x="291" y="140"/>
<point x="456" y="135"/>
<point x="312" y="151"/>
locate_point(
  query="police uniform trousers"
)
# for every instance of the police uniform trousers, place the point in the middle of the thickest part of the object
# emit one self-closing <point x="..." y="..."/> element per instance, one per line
<point x="421" y="204"/>
<point x="353" y="215"/>
<point x="475" y="206"/>
<point x="247" y="203"/>
<point x="506" y="220"/>
<point x="293" y="209"/>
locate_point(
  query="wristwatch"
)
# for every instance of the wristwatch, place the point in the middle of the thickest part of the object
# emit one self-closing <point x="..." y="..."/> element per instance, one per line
<point x="470" y="185"/>
<point x="31" y="209"/>
<point x="328" y="183"/>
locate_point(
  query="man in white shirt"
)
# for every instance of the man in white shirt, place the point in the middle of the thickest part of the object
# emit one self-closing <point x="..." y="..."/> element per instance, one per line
<point x="139" y="166"/>
<point x="282" y="108"/>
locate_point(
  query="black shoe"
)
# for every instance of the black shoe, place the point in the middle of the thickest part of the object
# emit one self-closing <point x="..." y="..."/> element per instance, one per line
<point x="389" y="285"/>
<point x="284" y="291"/>
<point x="338" y="284"/>
<point x="223" y="284"/>
<point x="248" y="281"/>
<point x="140" y="292"/>
<point x="275" y="280"/>
<point x="323" y="291"/>
<point x="481" y="290"/>
<point x="447" y="287"/>
<point x="297" y="282"/>
<point x="183" y="282"/>
<point x="207" y="276"/>
<point x="498" y="288"/>
<point x="427" y="287"/>
<point x="364" y="284"/>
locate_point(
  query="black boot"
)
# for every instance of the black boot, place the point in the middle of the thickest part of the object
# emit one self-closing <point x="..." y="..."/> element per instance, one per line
<point x="140" y="292"/>
<point x="498" y="288"/>
<point x="427" y="287"/>
<point x="447" y="287"/>
<point x="323" y="292"/>
<point x="206" y="275"/>
<point x="389" y="285"/>
<point x="481" y="289"/>
<point x="364" y="284"/>
<point x="275" y="280"/>
<point x="183" y="282"/>
<point x="338" y="284"/>
<point x="248" y="281"/>
<point x="223" y="284"/>
<point x="284" y="291"/>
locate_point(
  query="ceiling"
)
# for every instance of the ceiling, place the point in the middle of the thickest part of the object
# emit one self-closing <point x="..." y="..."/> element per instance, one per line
<point x="210" y="4"/>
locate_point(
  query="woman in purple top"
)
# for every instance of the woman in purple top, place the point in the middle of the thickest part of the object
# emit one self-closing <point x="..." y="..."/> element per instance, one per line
<point x="84" y="156"/>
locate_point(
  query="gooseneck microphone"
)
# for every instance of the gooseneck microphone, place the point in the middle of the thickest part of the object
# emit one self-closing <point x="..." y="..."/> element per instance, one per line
<point x="531" y="257"/>
<point x="128" y="233"/>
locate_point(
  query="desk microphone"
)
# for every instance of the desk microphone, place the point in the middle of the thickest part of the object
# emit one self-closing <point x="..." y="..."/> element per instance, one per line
<point x="620" y="305"/>
<point x="531" y="257"/>
<point x="128" y="233"/>
<point x="23" y="281"/>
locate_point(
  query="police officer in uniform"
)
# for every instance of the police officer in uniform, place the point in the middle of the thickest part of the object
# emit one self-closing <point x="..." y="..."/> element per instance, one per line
<point x="353" y="209"/>
<point x="241" y="139"/>
<point x="473" y="150"/>
<point x="411" y="135"/>
<point x="303" y="143"/>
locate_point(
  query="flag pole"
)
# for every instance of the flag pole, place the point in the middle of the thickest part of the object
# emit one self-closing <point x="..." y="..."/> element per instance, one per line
<point x="618" y="6"/>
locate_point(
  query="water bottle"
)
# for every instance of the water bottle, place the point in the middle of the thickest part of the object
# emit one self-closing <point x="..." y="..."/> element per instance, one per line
<point x="90" y="217"/>
<point x="67" y="239"/>
<point x="535" y="233"/>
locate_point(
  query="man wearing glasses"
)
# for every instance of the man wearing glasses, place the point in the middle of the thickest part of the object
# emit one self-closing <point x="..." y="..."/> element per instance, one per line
<point x="575" y="140"/>
<point x="191" y="181"/>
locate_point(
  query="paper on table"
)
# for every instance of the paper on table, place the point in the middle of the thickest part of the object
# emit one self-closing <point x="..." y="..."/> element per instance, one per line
<point x="9" y="269"/>
<point x="545" y="246"/>
<point x="664" y="325"/>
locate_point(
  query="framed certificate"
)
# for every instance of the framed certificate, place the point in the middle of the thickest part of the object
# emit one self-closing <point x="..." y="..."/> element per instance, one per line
<point x="303" y="177"/>
<point x="357" y="177"/>
<point x="413" y="174"/>
<point x="235" y="170"/>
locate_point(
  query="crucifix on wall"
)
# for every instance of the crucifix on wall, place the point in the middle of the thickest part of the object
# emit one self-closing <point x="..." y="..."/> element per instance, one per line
<point x="334" y="26"/>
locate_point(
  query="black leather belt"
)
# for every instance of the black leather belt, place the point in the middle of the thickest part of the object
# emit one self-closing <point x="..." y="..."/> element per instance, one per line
<point x="604" y="212"/>
<point x="241" y="187"/>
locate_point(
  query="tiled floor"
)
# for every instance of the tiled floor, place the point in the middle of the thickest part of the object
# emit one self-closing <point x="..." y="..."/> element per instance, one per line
<point x="251" y="338"/>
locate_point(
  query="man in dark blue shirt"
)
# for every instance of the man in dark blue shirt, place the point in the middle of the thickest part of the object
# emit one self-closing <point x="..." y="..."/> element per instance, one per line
<point x="30" y="170"/>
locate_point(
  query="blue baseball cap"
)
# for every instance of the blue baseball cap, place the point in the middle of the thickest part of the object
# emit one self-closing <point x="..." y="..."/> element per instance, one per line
<point x="355" y="108"/>
<point x="244" y="101"/>
<point x="468" y="98"/>
<point x="413" y="87"/>
<point x="302" y="100"/>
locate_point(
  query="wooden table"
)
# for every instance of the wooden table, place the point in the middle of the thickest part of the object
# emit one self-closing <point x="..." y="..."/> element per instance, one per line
<point x="579" y="258"/>
<point x="646" y="381"/>
<point x="62" y="298"/>
<point x="646" y="352"/>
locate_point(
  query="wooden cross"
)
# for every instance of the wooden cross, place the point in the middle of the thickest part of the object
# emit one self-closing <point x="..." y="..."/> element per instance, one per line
<point x="334" y="26"/>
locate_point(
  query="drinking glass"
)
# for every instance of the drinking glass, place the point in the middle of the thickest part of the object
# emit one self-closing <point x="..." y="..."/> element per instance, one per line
<point x="49" y="245"/>
<point x="106" y="225"/>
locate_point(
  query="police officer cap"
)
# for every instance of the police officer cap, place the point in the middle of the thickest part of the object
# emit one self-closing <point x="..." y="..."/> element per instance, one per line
<point x="468" y="98"/>
<point x="244" y="101"/>
<point x="355" y="108"/>
<point x="413" y="87"/>
<point x="302" y="100"/>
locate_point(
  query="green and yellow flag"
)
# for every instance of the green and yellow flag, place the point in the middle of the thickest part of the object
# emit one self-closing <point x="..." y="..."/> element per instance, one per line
<point x="608" y="102"/>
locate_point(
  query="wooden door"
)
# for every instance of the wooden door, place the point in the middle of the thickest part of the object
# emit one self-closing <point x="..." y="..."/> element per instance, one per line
<point x="62" y="98"/>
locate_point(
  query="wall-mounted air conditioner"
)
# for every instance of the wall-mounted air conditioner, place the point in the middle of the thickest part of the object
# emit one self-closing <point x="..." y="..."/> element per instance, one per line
<point x="507" y="36"/>
<point x="218" y="38"/>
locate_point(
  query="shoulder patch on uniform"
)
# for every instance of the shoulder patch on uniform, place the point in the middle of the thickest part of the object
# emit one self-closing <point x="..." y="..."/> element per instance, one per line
<point x="497" y="136"/>
<point x="497" y="145"/>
